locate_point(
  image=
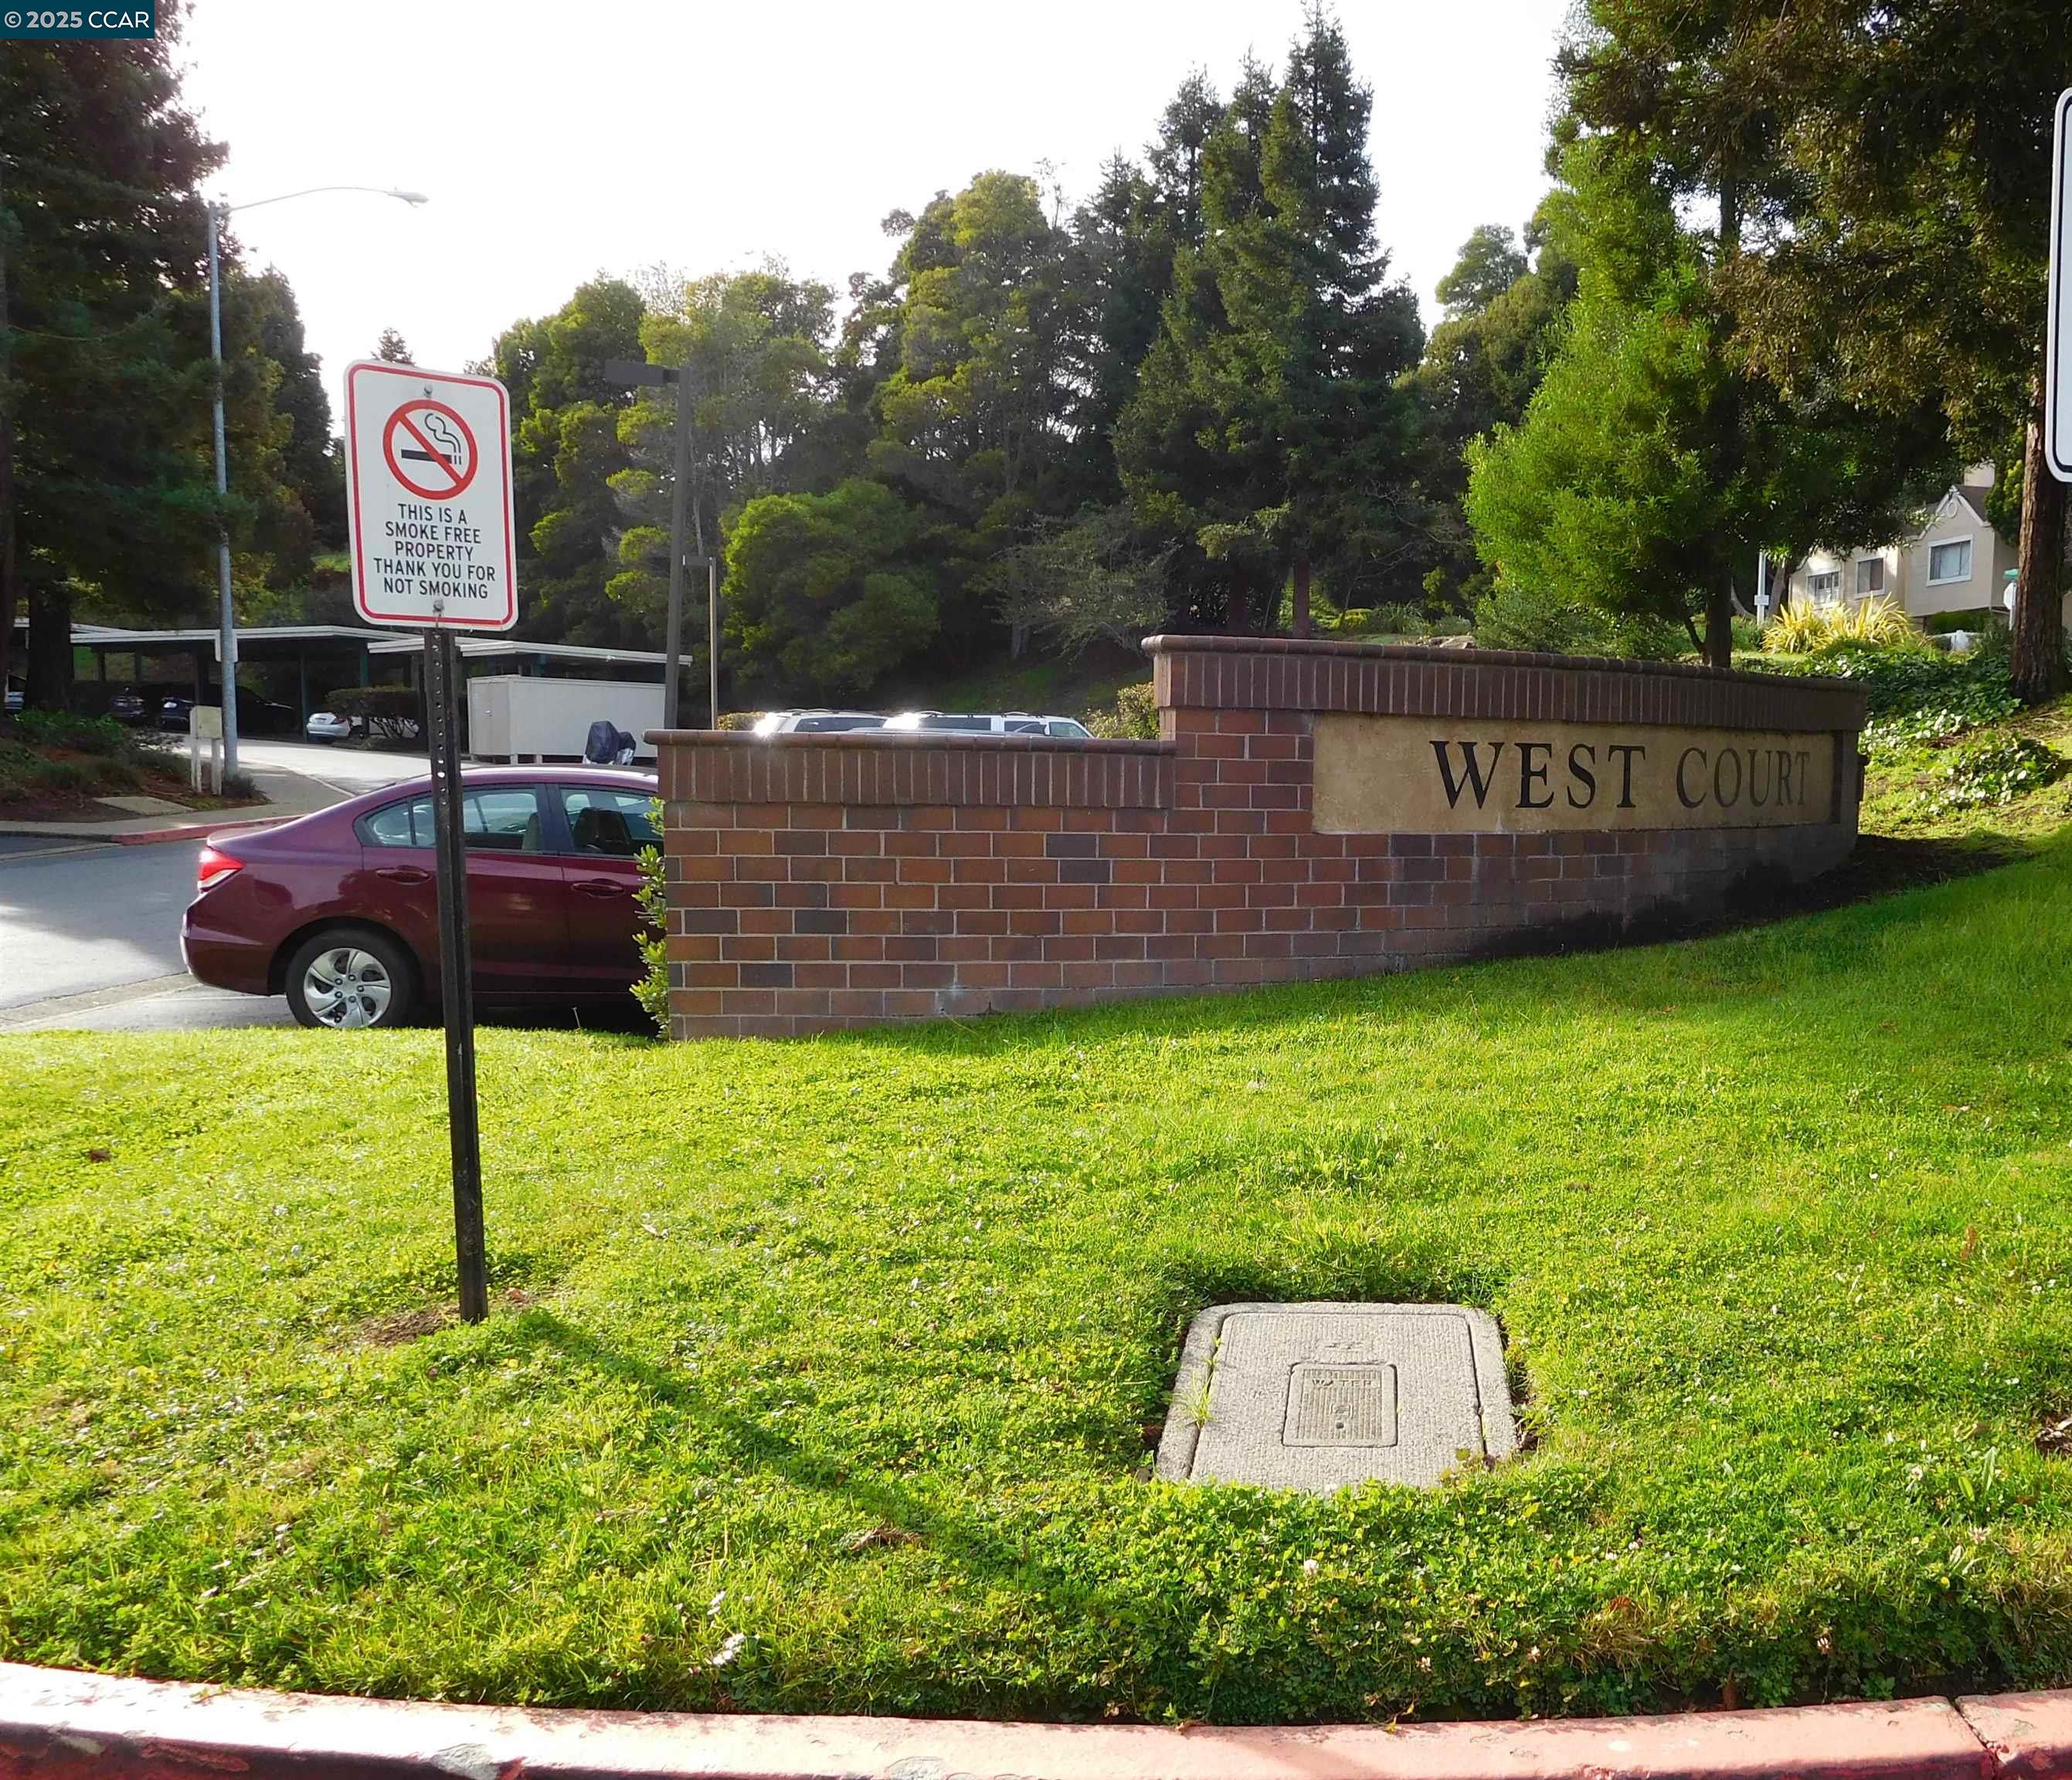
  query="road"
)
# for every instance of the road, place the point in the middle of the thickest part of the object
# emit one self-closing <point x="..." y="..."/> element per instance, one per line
<point x="90" y="939"/>
<point x="90" y="933"/>
<point x="349" y="771"/>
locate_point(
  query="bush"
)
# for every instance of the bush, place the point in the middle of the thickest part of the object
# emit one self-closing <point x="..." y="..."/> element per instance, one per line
<point x="1133" y="718"/>
<point x="1508" y="617"/>
<point x="1979" y="618"/>
<point x="1803" y="628"/>
<point x="652" y="989"/>
<point x="392" y="713"/>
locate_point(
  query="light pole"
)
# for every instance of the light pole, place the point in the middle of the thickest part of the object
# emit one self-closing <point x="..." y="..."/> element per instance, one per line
<point x="633" y="373"/>
<point x="226" y="614"/>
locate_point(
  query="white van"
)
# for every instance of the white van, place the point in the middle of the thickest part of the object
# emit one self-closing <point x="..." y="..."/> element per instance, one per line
<point x="816" y="722"/>
<point x="1068" y="729"/>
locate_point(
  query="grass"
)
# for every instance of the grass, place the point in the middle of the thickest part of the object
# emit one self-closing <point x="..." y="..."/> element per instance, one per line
<point x="821" y="1375"/>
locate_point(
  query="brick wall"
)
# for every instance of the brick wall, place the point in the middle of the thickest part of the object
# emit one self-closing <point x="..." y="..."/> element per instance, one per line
<point x="828" y="881"/>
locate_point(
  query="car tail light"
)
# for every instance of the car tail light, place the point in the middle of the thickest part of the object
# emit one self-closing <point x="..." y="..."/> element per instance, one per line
<point x="212" y="867"/>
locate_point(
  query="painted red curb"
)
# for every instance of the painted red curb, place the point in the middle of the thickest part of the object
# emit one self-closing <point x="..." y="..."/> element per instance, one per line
<point x="58" y="1724"/>
<point x="2027" y="1735"/>
<point x="196" y="831"/>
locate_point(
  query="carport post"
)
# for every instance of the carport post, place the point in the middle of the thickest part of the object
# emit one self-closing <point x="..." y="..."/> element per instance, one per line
<point x="456" y="976"/>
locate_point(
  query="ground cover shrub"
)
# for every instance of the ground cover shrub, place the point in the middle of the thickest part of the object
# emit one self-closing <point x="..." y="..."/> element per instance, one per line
<point x="1915" y="694"/>
<point x="34" y="769"/>
<point x="95" y="735"/>
<point x="1988" y="771"/>
<point x="820" y="1372"/>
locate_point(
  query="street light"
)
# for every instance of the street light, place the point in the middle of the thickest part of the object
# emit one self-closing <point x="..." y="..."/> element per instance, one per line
<point x="226" y="616"/>
<point x="636" y="373"/>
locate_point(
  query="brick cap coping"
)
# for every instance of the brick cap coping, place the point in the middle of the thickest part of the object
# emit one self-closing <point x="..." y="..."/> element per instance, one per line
<point x="1177" y="645"/>
<point x="908" y="738"/>
<point x="63" y="1725"/>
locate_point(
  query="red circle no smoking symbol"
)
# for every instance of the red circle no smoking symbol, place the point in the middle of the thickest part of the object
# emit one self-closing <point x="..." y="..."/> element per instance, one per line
<point x="429" y="449"/>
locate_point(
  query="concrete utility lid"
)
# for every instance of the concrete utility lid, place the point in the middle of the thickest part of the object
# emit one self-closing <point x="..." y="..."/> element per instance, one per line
<point x="144" y="806"/>
<point x="1316" y="1396"/>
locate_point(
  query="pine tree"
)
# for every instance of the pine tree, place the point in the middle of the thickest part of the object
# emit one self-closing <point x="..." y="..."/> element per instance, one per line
<point x="1120" y="268"/>
<point x="103" y="370"/>
<point x="1269" y="428"/>
<point x="1184" y="128"/>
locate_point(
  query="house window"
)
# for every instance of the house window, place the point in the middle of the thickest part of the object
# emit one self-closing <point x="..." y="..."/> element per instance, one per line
<point x="1950" y="562"/>
<point x="1870" y="576"/>
<point x="1826" y="589"/>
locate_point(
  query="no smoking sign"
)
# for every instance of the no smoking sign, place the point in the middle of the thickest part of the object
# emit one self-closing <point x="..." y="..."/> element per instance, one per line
<point x="430" y="450"/>
<point x="428" y="464"/>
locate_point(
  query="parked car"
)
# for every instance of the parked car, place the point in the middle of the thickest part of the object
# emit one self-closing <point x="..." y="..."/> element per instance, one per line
<point x="256" y="716"/>
<point x="15" y="697"/>
<point x="816" y="722"/>
<point x="328" y="726"/>
<point x="1070" y="729"/>
<point x="132" y="707"/>
<point x="339" y="911"/>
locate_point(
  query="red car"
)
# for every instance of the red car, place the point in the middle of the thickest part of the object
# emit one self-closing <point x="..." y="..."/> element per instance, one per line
<point x="339" y="911"/>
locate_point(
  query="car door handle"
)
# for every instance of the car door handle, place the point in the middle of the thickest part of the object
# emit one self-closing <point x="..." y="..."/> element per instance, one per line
<point x="403" y="875"/>
<point x="599" y="886"/>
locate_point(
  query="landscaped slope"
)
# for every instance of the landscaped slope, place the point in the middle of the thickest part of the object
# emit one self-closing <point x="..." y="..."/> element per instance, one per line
<point x="819" y="1372"/>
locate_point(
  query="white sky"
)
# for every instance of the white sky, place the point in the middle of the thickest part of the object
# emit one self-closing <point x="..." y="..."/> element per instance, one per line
<point x="558" y="142"/>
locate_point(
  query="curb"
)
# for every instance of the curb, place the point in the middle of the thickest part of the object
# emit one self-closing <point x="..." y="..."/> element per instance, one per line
<point x="62" y="1725"/>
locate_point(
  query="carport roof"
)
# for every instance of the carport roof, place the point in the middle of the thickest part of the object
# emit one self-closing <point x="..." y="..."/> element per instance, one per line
<point x="114" y="637"/>
<point x="477" y="646"/>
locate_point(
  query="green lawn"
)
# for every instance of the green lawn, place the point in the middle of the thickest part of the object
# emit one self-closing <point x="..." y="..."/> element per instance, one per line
<point x="834" y="1359"/>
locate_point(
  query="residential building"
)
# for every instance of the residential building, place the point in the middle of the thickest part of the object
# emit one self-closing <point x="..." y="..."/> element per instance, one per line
<point x="1955" y="563"/>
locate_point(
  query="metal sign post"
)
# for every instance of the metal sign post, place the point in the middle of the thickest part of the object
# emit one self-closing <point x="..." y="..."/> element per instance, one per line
<point x="456" y="974"/>
<point x="428" y="502"/>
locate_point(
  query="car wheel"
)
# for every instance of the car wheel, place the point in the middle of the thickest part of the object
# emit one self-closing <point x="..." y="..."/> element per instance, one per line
<point x="347" y="978"/>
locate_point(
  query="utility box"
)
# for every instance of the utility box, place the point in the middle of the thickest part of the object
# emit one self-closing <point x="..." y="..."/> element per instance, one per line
<point x="513" y="718"/>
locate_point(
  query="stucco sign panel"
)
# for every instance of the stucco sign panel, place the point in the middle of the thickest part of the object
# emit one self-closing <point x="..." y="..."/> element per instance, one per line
<point x="1442" y="775"/>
